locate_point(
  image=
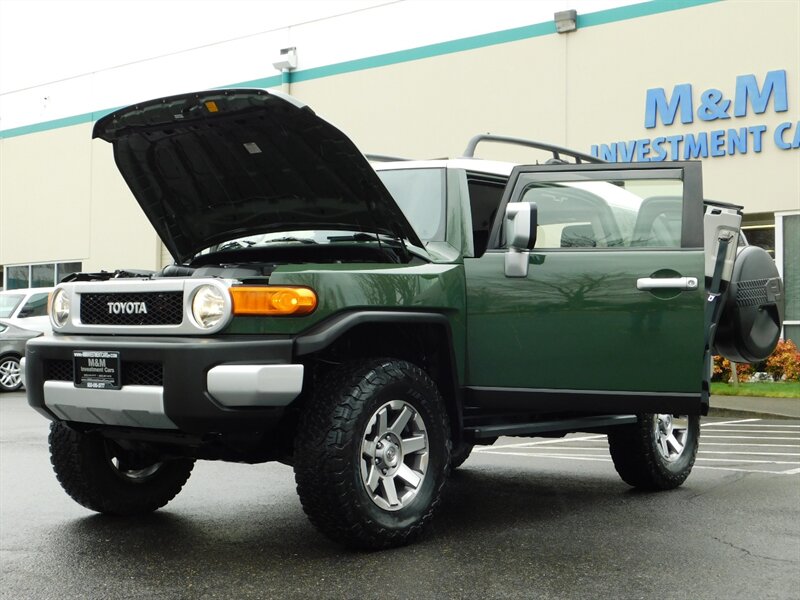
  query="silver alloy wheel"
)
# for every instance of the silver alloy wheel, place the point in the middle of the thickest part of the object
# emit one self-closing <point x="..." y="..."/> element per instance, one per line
<point x="10" y="373"/>
<point x="671" y="432"/>
<point x="126" y="470"/>
<point x="394" y="455"/>
<point x="135" y="474"/>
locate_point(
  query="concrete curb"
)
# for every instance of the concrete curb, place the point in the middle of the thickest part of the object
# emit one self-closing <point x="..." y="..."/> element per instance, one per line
<point x="744" y="414"/>
<point x="754" y="407"/>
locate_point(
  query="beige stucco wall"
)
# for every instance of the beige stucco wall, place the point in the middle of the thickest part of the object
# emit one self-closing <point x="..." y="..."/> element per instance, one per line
<point x="44" y="196"/>
<point x="61" y="198"/>
<point x="707" y="46"/>
<point x="583" y="88"/>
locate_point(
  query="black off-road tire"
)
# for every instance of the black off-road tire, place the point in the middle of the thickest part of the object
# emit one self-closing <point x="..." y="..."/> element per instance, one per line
<point x="333" y="469"/>
<point x="460" y="454"/>
<point x="84" y="465"/>
<point x="641" y="460"/>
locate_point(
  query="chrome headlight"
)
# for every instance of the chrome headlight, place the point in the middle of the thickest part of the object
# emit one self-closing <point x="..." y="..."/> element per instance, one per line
<point x="59" y="308"/>
<point x="208" y="306"/>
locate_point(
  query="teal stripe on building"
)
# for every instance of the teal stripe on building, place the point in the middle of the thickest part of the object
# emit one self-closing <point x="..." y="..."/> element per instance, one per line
<point x="604" y="17"/>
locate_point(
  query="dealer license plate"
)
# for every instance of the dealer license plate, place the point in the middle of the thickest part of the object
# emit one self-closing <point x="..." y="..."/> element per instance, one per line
<point x="97" y="370"/>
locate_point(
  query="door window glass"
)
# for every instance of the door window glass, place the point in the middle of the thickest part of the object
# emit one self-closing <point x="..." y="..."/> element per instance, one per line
<point x="608" y="214"/>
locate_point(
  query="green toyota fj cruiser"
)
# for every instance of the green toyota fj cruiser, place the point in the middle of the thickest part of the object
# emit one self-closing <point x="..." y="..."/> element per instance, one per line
<point x="370" y="325"/>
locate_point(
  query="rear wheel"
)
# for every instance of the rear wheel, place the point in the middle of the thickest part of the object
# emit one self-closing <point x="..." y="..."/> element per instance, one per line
<point x="372" y="454"/>
<point x="10" y="375"/>
<point x="100" y="475"/>
<point x="657" y="452"/>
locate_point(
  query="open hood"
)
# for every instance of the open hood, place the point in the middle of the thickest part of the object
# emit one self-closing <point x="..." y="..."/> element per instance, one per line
<point x="212" y="166"/>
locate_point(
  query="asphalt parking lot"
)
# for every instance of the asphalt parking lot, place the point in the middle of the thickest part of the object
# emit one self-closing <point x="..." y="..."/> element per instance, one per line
<point x="525" y="518"/>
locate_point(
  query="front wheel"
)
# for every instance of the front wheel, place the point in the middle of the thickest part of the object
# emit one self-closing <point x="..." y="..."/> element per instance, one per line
<point x="372" y="454"/>
<point x="657" y="452"/>
<point x="460" y="454"/>
<point x="100" y="475"/>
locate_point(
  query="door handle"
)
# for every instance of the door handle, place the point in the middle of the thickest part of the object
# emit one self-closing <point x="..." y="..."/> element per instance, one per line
<point x="666" y="283"/>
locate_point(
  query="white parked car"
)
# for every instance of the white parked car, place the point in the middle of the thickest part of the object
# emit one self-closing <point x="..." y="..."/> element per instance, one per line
<point x="26" y="308"/>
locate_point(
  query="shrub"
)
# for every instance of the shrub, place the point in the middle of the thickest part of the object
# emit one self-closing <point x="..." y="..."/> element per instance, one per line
<point x="722" y="370"/>
<point x="784" y="362"/>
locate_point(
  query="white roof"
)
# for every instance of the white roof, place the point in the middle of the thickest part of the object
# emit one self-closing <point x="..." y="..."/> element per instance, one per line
<point x="469" y="164"/>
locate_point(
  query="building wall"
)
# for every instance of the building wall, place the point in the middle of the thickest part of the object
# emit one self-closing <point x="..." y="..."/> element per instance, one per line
<point x="61" y="198"/>
<point x="586" y="88"/>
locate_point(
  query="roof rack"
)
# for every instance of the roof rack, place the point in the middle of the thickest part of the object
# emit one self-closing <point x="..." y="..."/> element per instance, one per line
<point x="557" y="151"/>
<point x="384" y="158"/>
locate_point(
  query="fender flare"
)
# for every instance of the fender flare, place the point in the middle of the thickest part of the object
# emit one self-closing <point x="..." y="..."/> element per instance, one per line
<point x="325" y="333"/>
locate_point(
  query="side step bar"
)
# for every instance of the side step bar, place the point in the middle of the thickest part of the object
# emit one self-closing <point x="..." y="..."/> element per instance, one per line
<point x="568" y="425"/>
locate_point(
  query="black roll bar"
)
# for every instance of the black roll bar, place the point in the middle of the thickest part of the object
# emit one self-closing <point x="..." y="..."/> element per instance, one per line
<point x="557" y="151"/>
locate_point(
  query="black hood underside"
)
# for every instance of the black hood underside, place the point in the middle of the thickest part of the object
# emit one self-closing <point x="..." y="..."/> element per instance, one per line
<point x="213" y="166"/>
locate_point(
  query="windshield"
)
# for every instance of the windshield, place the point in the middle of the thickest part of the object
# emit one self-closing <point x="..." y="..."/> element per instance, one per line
<point x="8" y="302"/>
<point x="420" y="194"/>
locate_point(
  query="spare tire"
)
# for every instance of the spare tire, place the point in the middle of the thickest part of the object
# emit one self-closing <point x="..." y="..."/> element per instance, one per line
<point x="752" y="317"/>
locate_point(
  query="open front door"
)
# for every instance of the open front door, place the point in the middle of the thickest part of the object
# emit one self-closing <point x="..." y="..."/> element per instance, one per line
<point x="609" y="316"/>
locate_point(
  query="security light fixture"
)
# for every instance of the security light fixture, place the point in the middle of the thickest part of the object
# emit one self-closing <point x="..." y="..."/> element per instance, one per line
<point x="566" y="21"/>
<point x="287" y="60"/>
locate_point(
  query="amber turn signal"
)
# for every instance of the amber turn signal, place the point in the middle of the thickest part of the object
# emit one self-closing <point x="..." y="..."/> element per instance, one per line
<point x="272" y="300"/>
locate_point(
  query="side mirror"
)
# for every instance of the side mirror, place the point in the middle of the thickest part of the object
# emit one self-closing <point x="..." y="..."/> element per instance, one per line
<point x="521" y="221"/>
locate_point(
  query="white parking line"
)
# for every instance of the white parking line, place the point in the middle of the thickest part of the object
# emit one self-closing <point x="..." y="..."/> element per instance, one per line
<point x="704" y="444"/>
<point x="767" y="431"/>
<point x="716" y="468"/>
<point x="744" y="460"/>
<point x="735" y="424"/>
<point x="543" y="442"/>
<point x="745" y="437"/>
<point x="711" y="424"/>
<point x="753" y="453"/>
<point x="792" y="472"/>
<point x="561" y="456"/>
<point x="750" y="453"/>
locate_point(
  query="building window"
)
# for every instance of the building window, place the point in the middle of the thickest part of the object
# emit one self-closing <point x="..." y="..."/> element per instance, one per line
<point x="64" y="269"/>
<point x="761" y="236"/>
<point x="18" y="277"/>
<point x="43" y="275"/>
<point x="787" y="249"/>
<point x="39" y="275"/>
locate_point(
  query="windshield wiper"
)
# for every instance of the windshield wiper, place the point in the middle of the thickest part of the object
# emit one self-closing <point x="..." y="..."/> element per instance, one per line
<point x="291" y="239"/>
<point x="355" y="237"/>
<point x="235" y="245"/>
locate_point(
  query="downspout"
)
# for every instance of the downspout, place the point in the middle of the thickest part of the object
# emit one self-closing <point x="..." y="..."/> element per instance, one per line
<point x="566" y="21"/>
<point x="286" y="81"/>
<point x="286" y="63"/>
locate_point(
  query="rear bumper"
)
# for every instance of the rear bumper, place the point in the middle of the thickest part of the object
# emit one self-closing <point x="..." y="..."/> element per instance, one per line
<point x="210" y="385"/>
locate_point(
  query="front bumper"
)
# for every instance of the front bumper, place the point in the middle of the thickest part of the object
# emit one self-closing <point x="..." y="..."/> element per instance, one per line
<point x="210" y="385"/>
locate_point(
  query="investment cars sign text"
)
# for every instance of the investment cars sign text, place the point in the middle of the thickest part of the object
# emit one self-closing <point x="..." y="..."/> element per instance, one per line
<point x="713" y="106"/>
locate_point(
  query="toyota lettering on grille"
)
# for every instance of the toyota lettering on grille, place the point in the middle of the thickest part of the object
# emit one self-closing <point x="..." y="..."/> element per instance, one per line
<point x="127" y="308"/>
